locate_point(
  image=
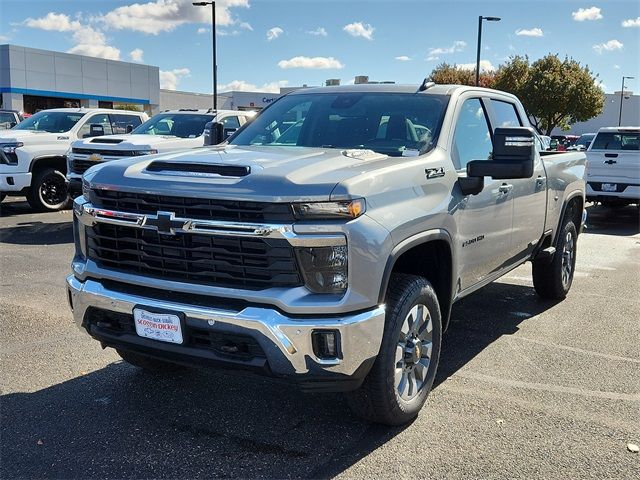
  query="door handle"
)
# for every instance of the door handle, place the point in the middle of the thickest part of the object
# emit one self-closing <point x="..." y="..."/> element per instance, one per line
<point x="540" y="181"/>
<point x="505" y="188"/>
<point x="611" y="155"/>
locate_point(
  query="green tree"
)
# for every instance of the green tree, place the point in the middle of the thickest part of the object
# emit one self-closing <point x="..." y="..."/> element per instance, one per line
<point x="554" y="92"/>
<point x="447" y="74"/>
<point x="127" y="106"/>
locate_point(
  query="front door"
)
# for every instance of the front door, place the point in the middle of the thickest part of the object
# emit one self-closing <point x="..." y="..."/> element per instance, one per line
<point x="484" y="220"/>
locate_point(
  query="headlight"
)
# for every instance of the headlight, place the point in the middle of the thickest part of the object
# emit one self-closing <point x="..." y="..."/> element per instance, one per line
<point x="11" y="147"/>
<point x="144" y="152"/>
<point x="86" y="189"/>
<point x="325" y="269"/>
<point x="348" y="209"/>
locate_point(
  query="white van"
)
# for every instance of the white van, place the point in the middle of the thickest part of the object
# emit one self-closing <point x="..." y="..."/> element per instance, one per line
<point x="613" y="166"/>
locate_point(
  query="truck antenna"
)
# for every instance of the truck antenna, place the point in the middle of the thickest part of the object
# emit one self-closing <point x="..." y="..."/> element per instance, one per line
<point x="425" y="85"/>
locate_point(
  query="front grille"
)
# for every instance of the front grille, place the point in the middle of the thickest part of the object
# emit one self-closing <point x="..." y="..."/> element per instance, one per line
<point x="240" y="347"/>
<point x="104" y="153"/>
<point x="195" y="208"/>
<point x="81" y="166"/>
<point x="233" y="262"/>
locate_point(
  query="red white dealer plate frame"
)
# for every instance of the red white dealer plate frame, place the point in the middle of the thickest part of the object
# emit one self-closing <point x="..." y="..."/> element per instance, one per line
<point x="158" y="326"/>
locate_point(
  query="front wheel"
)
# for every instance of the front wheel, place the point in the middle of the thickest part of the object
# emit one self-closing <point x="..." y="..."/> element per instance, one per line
<point x="48" y="191"/>
<point x="397" y="386"/>
<point x="553" y="279"/>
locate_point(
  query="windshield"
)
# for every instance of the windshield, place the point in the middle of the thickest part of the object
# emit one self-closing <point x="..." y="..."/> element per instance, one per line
<point x="175" y="124"/>
<point x="585" y="139"/>
<point x="389" y="123"/>
<point x="7" y="120"/>
<point x="54" y="122"/>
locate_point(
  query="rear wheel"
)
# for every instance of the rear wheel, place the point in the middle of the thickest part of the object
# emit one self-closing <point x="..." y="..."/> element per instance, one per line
<point x="397" y="386"/>
<point x="553" y="279"/>
<point x="48" y="191"/>
<point x="148" y="364"/>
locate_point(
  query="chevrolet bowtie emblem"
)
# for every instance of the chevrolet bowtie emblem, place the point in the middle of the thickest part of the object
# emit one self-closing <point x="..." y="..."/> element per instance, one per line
<point x="165" y="223"/>
<point x="95" y="157"/>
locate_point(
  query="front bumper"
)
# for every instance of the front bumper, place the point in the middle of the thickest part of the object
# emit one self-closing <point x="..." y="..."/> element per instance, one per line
<point x="14" y="182"/>
<point x="286" y="341"/>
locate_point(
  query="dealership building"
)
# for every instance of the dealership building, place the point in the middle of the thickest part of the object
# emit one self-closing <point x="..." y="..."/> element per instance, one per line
<point x="32" y="79"/>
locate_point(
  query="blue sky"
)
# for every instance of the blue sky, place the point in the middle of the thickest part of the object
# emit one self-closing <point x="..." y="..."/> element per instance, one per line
<point x="264" y="44"/>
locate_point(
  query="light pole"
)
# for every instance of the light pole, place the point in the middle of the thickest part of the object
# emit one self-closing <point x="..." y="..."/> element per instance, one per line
<point x="488" y="19"/>
<point x="621" y="98"/>
<point x="213" y="35"/>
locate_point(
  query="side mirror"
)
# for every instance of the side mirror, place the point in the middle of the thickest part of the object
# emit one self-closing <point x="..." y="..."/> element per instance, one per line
<point x="96" y="130"/>
<point x="129" y="128"/>
<point x="213" y="133"/>
<point x="514" y="154"/>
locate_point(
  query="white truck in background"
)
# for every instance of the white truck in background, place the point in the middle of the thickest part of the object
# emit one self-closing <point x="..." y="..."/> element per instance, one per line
<point x="613" y="167"/>
<point x="32" y="153"/>
<point x="168" y="131"/>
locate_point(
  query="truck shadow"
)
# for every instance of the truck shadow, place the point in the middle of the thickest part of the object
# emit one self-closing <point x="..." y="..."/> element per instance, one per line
<point x="120" y="422"/>
<point x="38" y="233"/>
<point x="621" y="221"/>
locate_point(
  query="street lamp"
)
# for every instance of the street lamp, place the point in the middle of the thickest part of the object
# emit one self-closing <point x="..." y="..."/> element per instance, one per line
<point x="621" y="96"/>
<point x="213" y="35"/>
<point x="488" y="19"/>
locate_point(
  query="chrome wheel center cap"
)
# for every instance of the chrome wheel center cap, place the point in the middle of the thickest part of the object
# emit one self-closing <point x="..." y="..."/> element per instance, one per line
<point x="412" y="352"/>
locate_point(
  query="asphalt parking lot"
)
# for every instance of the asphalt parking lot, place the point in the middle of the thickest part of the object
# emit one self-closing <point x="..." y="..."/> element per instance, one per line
<point x="526" y="388"/>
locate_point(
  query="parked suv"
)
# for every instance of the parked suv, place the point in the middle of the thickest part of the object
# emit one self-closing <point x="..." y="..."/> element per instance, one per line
<point x="9" y="119"/>
<point x="328" y="255"/>
<point x="613" y="166"/>
<point x="165" y="132"/>
<point x="32" y="154"/>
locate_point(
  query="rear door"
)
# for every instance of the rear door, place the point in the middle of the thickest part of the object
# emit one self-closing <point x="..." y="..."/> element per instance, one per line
<point x="613" y="160"/>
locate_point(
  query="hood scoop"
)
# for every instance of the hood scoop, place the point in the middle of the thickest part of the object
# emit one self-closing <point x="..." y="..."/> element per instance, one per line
<point x="112" y="141"/>
<point x="197" y="169"/>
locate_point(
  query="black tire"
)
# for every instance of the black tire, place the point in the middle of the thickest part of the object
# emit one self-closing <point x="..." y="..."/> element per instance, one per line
<point x="2" y="196"/>
<point x="378" y="399"/>
<point x="551" y="279"/>
<point x="48" y="191"/>
<point x="149" y="364"/>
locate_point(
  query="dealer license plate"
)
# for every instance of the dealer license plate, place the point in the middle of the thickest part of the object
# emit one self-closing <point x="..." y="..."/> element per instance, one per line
<point x="158" y="326"/>
<point x="609" y="187"/>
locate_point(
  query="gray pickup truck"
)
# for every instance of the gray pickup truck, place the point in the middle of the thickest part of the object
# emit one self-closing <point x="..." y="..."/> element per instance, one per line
<point x="325" y="243"/>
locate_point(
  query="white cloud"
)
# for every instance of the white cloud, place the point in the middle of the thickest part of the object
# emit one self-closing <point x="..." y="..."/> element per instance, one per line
<point x="617" y="67"/>
<point x="403" y="58"/>
<point x="485" y="66"/>
<point x="532" y="32"/>
<point x="58" y="22"/>
<point x="609" y="46"/>
<point x="202" y="30"/>
<point x="631" y="22"/>
<point x="274" y="33"/>
<point x="136" y="55"/>
<point x="318" y="32"/>
<point x="243" y="86"/>
<point x="100" y="51"/>
<point x="159" y="16"/>
<point x="434" y="53"/>
<point x="582" y="14"/>
<point x="246" y="26"/>
<point x="311" y="62"/>
<point x="4" y="38"/>
<point x="170" y="79"/>
<point x="359" y="29"/>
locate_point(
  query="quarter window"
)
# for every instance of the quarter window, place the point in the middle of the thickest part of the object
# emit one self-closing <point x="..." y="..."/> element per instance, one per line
<point x="230" y="122"/>
<point x="472" y="138"/>
<point x="506" y="114"/>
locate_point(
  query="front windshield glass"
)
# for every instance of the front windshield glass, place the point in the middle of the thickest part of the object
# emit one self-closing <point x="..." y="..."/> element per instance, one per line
<point x="389" y="123"/>
<point x="47" y="121"/>
<point x="585" y="140"/>
<point x="174" y="124"/>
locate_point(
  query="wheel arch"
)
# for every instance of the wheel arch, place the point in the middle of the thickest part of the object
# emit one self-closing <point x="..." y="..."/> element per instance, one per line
<point x="428" y="254"/>
<point x="47" y="161"/>
<point x="573" y="206"/>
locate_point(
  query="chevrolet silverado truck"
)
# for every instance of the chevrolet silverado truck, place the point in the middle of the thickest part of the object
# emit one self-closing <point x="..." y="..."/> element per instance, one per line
<point x="328" y="255"/>
<point x="165" y="132"/>
<point x="32" y="154"/>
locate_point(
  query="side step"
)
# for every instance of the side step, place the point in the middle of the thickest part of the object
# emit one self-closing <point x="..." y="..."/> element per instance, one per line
<point x="546" y="253"/>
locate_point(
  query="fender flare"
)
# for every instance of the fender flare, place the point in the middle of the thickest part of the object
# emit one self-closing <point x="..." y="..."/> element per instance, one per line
<point x="568" y="198"/>
<point x="35" y="160"/>
<point x="411" y="242"/>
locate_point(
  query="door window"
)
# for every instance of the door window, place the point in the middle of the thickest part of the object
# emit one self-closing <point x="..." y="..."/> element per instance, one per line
<point x="120" y="122"/>
<point x="472" y="138"/>
<point x="230" y="122"/>
<point x="99" y="119"/>
<point x="506" y="114"/>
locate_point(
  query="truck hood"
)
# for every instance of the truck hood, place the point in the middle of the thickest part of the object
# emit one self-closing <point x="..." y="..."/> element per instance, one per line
<point x="275" y="174"/>
<point x="30" y="137"/>
<point x="138" y="142"/>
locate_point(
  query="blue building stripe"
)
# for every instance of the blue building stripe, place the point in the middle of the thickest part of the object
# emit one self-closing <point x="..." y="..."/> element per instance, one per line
<point x="80" y="96"/>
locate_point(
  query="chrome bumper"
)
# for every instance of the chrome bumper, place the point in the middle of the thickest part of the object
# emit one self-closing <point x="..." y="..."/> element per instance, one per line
<point x="286" y="341"/>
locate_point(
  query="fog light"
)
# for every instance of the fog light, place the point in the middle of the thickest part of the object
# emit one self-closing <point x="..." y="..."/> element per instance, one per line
<point x="325" y="344"/>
